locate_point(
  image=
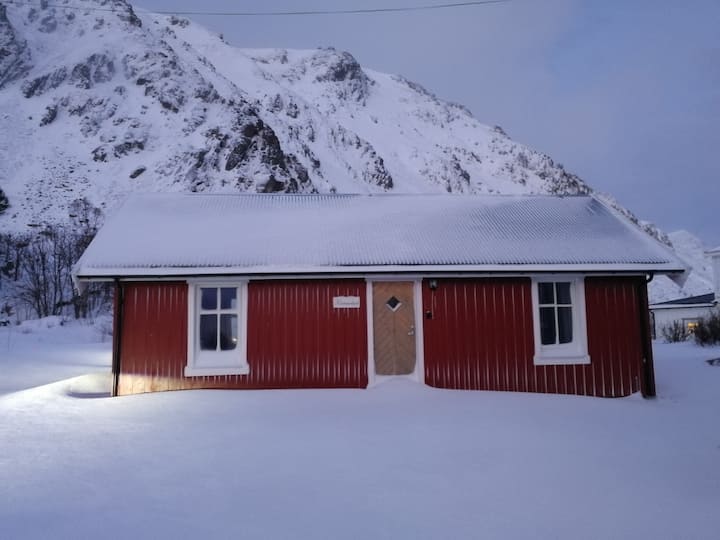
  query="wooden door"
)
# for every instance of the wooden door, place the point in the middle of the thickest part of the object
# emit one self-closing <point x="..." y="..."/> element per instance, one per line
<point x="394" y="327"/>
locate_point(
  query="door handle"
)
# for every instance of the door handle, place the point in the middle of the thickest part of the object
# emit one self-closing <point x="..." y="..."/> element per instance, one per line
<point x="412" y="330"/>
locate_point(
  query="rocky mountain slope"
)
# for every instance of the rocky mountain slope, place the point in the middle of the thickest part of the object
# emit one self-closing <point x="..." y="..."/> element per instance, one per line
<point x="101" y="101"/>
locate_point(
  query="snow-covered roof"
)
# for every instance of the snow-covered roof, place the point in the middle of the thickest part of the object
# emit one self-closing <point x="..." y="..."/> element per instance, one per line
<point x="190" y="234"/>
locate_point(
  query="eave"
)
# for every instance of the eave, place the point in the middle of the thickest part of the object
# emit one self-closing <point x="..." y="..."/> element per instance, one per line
<point x="110" y="273"/>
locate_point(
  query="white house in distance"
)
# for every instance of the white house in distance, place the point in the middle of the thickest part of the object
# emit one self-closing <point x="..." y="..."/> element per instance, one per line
<point x="688" y="311"/>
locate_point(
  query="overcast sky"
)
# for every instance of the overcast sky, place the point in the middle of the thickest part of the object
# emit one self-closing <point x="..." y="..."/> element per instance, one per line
<point x="624" y="93"/>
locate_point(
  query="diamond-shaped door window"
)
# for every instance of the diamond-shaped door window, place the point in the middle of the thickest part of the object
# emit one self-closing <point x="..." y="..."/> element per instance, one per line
<point x="393" y="303"/>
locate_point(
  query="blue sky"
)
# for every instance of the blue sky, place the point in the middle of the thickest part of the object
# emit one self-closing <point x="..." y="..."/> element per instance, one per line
<point x="626" y="94"/>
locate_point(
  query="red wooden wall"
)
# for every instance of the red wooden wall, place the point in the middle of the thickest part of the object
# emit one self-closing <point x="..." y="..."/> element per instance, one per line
<point x="615" y="339"/>
<point x="481" y="337"/>
<point x="153" y="339"/>
<point x="295" y="337"/>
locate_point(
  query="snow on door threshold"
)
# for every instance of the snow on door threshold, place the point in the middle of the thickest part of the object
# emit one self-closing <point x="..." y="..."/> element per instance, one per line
<point x="383" y="379"/>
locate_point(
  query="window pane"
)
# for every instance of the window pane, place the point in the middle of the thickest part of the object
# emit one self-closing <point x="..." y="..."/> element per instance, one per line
<point x="208" y="298"/>
<point x="228" y="298"/>
<point x="563" y="293"/>
<point x="565" y="329"/>
<point x="546" y="293"/>
<point x="208" y="332"/>
<point x="228" y="332"/>
<point x="547" y="326"/>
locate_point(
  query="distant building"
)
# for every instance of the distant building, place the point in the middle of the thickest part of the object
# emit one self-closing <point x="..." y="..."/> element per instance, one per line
<point x="511" y="293"/>
<point x="687" y="311"/>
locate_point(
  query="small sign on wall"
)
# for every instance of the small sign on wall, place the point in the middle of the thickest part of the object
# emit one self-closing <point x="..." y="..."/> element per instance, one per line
<point x="346" y="302"/>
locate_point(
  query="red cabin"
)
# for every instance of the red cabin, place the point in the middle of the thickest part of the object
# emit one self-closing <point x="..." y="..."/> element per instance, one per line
<point x="513" y="293"/>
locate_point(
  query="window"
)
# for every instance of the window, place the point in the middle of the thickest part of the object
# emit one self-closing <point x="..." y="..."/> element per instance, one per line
<point x="216" y="337"/>
<point x="691" y="324"/>
<point x="559" y="321"/>
<point x="555" y="301"/>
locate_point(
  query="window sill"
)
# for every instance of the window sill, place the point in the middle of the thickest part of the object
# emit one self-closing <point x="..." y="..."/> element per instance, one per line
<point x="192" y="371"/>
<point x="559" y="360"/>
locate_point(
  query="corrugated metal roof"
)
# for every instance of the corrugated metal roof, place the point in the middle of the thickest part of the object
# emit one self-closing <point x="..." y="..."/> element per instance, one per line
<point x="195" y="233"/>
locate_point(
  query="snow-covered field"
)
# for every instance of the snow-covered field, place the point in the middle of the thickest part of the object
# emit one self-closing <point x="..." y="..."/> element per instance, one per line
<point x="43" y="351"/>
<point x="397" y="461"/>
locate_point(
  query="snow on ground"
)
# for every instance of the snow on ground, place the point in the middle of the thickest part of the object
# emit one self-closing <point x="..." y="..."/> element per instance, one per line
<point x="397" y="461"/>
<point x="43" y="351"/>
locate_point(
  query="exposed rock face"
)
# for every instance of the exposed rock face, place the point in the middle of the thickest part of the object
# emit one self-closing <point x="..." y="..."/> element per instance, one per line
<point x="4" y="202"/>
<point x="342" y="69"/>
<point x="14" y="52"/>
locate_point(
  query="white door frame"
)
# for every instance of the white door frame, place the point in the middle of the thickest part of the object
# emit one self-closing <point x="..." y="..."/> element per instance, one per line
<point x="418" y="373"/>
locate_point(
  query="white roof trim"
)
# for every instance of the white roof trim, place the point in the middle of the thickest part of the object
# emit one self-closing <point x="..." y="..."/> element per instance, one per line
<point x="386" y="269"/>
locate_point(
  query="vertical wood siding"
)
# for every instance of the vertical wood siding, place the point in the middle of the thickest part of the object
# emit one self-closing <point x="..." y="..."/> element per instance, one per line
<point x="615" y="339"/>
<point x="480" y="334"/>
<point x="153" y="348"/>
<point x="480" y="337"/>
<point x="296" y="339"/>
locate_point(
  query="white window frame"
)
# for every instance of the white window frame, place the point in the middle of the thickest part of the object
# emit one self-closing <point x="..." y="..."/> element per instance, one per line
<point x="204" y="363"/>
<point x="575" y="352"/>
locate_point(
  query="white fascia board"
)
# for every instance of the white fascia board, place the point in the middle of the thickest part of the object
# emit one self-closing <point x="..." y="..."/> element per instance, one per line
<point x="100" y="274"/>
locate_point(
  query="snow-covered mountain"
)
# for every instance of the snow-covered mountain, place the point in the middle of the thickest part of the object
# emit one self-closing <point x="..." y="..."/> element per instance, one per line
<point x="690" y="250"/>
<point x="102" y="101"/>
<point x="98" y="104"/>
